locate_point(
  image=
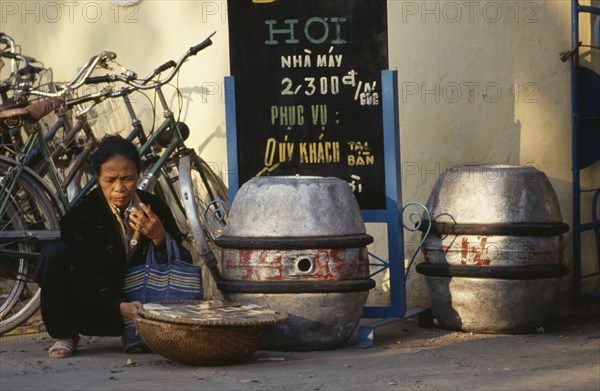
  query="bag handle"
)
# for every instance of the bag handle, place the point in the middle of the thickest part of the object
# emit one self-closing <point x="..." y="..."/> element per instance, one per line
<point x="172" y="251"/>
<point x="150" y="258"/>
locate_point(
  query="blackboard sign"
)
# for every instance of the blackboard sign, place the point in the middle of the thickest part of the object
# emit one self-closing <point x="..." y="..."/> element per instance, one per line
<point x="308" y="90"/>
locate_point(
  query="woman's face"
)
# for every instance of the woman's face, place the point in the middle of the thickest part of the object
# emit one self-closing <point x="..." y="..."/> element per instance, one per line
<point x="118" y="179"/>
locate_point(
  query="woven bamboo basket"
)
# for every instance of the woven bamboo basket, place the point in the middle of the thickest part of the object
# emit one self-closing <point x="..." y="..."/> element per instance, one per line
<point x="200" y="345"/>
<point x="204" y="342"/>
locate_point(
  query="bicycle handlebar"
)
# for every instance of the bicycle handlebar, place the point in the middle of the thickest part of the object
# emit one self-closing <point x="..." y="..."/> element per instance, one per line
<point x="13" y="48"/>
<point x="83" y="77"/>
<point x="143" y="84"/>
<point x="96" y="98"/>
<point x="14" y="56"/>
<point x="30" y="69"/>
<point x="98" y="79"/>
<point x="112" y="78"/>
<point x="17" y="56"/>
<point x="167" y="65"/>
<point x="19" y="74"/>
<point x="87" y="69"/>
<point x="202" y="45"/>
<point x="76" y="82"/>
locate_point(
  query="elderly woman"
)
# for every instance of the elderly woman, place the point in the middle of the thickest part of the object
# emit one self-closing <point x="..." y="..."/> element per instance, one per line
<point x="109" y="230"/>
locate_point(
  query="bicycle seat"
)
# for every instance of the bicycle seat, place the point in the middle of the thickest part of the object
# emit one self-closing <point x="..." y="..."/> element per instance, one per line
<point x="34" y="111"/>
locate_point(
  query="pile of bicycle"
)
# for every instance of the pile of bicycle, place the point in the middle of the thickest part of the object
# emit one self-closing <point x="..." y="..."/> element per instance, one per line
<point x="48" y="131"/>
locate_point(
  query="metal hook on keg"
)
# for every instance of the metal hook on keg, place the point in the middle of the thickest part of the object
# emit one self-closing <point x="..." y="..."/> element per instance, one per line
<point x="215" y="216"/>
<point x="417" y="220"/>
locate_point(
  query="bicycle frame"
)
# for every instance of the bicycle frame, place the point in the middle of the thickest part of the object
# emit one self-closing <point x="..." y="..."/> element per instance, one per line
<point x="34" y="140"/>
<point x="38" y="143"/>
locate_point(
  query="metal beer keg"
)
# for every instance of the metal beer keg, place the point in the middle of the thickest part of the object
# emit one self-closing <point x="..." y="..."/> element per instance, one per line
<point x="493" y="259"/>
<point x="298" y="243"/>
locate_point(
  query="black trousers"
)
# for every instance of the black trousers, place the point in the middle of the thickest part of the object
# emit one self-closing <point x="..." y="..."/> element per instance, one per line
<point x="69" y="308"/>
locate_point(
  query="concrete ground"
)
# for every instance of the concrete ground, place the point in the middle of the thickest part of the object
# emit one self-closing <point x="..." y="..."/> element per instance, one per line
<point x="564" y="356"/>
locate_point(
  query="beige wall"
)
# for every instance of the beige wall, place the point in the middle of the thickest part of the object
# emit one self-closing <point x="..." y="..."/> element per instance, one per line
<point x="64" y="34"/>
<point x="480" y="81"/>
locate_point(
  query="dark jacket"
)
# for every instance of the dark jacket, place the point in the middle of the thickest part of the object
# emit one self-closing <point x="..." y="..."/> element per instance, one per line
<point x="93" y="234"/>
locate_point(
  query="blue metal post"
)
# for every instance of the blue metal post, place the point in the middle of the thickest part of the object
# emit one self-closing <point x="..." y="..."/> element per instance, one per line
<point x="576" y="153"/>
<point x="231" y="135"/>
<point x="393" y="191"/>
<point x="393" y="216"/>
<point x="575" y="150"/>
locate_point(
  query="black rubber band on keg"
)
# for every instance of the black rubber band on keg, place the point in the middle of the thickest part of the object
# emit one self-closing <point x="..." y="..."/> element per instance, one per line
<point x="501" y="272"/>
<point x="293" y="242"/>
<point x="287" y="286"/>
<point x="507" y="229"/>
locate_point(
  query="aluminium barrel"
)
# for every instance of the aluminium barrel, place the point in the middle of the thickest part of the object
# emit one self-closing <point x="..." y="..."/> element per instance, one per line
<point x="494" y="257"/>
<point x="299" y="244"/>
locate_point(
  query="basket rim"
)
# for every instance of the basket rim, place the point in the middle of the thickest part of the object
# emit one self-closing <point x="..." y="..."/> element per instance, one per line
<point x="268" y="317"/>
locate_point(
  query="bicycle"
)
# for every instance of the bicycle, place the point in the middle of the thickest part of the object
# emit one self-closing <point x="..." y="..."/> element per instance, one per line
<point x="195" y="193"/>
<point x="26" y="120"/>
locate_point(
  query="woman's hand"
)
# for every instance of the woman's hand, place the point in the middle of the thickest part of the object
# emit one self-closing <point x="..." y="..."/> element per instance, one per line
<point x="147" y="224"/>
<point x="130" y="309"/>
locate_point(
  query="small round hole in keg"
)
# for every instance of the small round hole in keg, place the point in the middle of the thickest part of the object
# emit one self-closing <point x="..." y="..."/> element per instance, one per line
<point x="304" y="265"/>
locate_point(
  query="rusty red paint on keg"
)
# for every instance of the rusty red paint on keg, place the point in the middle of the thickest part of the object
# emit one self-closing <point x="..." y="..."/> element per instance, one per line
<point x="314" y="264"/>
<point x="477" y="254"/>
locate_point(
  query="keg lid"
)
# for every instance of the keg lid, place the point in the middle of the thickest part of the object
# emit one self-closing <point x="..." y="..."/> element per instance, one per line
<point x="493" y="194"/>
<point x="294" y="206"/>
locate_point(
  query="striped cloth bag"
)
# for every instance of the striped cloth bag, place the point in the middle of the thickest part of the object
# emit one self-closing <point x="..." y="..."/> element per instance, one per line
<point x="153" y="282"/>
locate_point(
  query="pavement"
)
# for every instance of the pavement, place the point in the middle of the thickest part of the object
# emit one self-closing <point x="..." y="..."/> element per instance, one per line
<point x="563" y="355"/>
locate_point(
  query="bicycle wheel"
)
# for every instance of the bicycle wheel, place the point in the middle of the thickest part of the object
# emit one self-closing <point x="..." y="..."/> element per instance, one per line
<point x="29" y="217"/>
<point x="205" y="199"/>
<point x="166" y="187"/>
